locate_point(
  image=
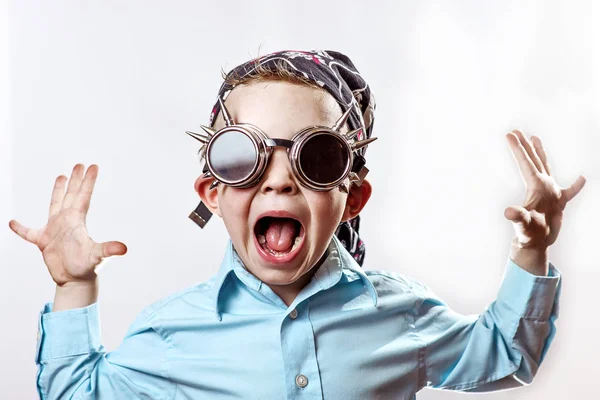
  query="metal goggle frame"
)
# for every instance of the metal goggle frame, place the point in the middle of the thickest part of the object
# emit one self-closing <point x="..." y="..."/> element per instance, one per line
<point x="321" y="157"/>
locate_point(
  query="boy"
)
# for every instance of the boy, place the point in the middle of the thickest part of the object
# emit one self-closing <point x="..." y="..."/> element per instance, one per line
<point x="290" y="314"/>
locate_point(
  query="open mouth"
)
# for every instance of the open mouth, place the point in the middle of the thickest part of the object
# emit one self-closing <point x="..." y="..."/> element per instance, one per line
<point x="279" y="237"/>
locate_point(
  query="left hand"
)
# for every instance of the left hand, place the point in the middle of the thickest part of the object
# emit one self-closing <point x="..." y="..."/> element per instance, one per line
<point x="538" y="221"/>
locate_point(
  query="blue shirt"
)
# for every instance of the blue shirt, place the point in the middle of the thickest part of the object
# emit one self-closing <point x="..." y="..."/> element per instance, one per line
<point x="349" y="334"/>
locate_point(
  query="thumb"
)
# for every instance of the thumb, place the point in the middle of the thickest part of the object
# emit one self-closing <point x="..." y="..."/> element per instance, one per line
<point x="517" y="214"/>
<point x="108" y="249"/>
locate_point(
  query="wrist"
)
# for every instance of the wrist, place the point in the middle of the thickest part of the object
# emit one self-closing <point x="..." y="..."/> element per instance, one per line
<point x="75" y="295"/>
<point x="532" y="259"/>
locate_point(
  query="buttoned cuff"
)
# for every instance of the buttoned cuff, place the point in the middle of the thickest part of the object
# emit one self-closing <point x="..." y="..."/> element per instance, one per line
<point x="67" y="333"/>
<point x="529" y="295"/>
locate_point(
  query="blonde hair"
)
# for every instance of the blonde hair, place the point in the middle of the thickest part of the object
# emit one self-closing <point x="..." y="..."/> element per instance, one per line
<point x="281" y="71"/>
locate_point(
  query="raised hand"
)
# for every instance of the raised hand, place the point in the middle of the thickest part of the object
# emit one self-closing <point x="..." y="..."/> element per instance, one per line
<point x="538" y="221"/>
<point x="68" y="251"/>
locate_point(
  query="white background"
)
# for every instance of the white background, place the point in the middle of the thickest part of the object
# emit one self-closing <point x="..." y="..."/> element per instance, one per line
<point x="116" y="83"/>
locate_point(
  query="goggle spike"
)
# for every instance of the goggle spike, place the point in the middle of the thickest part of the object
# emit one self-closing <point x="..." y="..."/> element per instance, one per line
<point x="362" y="143"/>
<point x="340" y="122"/>
<point x="213" y="185"/>
<point x="207" y="174"/>
<point x="226" y="116"/>
<point x="209" y="131"/>
<point x="201" y="138"/>
<point x="352" y="134"/>
<point x="343" y="188"/>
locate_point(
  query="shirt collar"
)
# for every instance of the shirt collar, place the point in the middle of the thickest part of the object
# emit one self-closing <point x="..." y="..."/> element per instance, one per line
<point x="328" y="274"/>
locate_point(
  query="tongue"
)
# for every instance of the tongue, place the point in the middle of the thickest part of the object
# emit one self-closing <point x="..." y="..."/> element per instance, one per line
<point x="280" y="234"/>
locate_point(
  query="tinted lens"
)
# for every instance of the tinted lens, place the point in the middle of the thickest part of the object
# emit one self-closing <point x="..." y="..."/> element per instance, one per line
<point x="232" y="156"/>
<point x="323" y="159"/>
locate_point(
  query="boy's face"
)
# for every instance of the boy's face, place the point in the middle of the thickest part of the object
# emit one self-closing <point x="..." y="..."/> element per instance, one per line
<point x="281" y="109"/>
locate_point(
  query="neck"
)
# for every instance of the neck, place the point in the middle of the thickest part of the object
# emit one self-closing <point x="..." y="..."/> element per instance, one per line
<point x="289" y="292"/>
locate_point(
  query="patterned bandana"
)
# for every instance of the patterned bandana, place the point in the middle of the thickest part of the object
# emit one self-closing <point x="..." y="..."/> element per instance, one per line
<point x="335" y="73"/>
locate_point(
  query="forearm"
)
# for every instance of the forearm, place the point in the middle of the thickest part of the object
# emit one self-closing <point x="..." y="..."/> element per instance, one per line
<point x="73" y="364"/>
<point x="75" y="295"/>
<point x="499" y="349"/>
<point x="532" y="260"/>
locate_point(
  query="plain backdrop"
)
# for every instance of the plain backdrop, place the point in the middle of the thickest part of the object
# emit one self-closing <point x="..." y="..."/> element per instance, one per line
<point x="118" y="82"/>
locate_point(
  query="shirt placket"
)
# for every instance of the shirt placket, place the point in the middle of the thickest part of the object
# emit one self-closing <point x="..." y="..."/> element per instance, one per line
<point x="303" y="380"/>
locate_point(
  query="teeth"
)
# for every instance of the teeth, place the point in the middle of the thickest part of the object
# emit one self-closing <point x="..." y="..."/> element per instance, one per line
<point x="296" y="243"/>
<point x="263" y="243"/>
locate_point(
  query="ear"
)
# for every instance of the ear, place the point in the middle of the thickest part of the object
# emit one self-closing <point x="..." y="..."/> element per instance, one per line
<point x="357" y="199"/>
<point x="210" y="197"/>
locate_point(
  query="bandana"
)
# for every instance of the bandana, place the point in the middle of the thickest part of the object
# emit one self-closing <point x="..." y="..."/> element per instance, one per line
<point x="335" y="73"/>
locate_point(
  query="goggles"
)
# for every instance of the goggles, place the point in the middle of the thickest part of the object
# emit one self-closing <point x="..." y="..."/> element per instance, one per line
<point x="321" y="157"/>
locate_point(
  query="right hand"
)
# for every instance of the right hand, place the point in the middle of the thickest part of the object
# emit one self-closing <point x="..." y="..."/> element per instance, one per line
<point x="69" y="253"/>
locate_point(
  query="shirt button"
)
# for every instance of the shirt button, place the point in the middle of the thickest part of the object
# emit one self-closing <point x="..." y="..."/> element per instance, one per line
<point x="294" y="314"/>
<point x="301" y="381"/>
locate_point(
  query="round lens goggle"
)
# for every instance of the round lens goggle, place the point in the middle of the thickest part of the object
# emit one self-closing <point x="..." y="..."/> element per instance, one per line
<point x="321" y="157"/>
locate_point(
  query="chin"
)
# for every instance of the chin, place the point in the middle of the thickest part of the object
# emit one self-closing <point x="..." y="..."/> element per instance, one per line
<point x="278" y="274"/>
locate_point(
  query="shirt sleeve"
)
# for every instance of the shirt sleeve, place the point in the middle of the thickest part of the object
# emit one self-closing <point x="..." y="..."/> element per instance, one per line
<point x="73" y="364"/>
<point x="499" y="349"/>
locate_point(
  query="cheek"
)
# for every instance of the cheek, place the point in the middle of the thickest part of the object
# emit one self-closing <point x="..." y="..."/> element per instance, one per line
<point x="234" y="205"/>
<point x="330" y="206"/>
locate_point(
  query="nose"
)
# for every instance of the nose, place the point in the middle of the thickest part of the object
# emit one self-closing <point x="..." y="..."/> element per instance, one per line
<point x="279" y="177"/>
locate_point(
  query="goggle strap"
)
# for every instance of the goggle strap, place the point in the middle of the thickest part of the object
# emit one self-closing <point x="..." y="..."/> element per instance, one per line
<point x="358" y="178"/>
<point x="359" y="171"/>
<point x="201" y="215"/>
<point x="279" y="142"/>
<point x="358" y="163"/>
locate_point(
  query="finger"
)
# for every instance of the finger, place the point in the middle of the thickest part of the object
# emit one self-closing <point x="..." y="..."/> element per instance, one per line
<point x="74" y="184"/>
<point x="31" y="235"/>
<point x="58" y="193"/>
<point x="526" y="166"/>
<point x="537" y="143"/>
<point x="555" y="223"/>
<point x="526" y="143"/>
<point x="572" y="190"/>
<point x="517" y="214"/>
<point x="84" y="196"/>
<point x="108" y="249"/>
